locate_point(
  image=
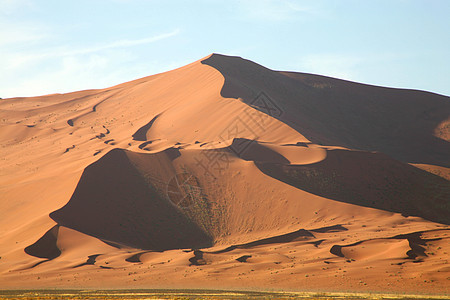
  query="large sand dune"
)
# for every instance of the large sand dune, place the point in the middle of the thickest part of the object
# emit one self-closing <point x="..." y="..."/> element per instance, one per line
<point x="225" y="174"/>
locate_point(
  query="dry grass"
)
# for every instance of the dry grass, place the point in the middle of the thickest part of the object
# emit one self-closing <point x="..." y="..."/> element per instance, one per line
<point x="194" y="294"/>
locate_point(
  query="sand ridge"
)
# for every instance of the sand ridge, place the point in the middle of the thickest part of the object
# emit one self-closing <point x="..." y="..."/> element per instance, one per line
<point x="225" y="174"/>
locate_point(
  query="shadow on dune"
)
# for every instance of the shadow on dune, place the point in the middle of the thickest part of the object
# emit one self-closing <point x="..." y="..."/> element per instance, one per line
<point x="46" y="246"/>
<point x="284" y="238"/>
<point x="141" y="133"/>
<point x="255" y="151"/>
<point x="115" y="203"/>
<point x="415" y="240"/>
<point x="89" y="262"/>
<point x="372" y="180"/>
<point x="330" y="111"/>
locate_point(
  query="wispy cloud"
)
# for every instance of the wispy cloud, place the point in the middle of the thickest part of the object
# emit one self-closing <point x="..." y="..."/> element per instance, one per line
<point x="121" y="44"/>
<point x="10" y="6"/>
<point x="354" y="67"/>
<point x="38" y="69"/>
<point x="274" y="10"/>
<point x="334" y="65"/>
<point x="20" y="34"/>
<point x="79" y="72"/>
<point x="13" y="59"/>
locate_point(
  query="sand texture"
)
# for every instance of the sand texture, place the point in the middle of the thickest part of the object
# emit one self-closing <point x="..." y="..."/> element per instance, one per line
<point x="224" y="174"/>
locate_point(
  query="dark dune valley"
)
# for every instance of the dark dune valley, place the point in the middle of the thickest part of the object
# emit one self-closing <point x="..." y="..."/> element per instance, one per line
<point x="226" y="175"/>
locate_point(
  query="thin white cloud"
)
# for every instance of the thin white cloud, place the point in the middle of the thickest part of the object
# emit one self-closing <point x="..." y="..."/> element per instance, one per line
<point x="74" y="73"/>
<point x="354" y="67"/>
<point x="10" y="6"/>
<point x="334" y="65"/>
<point x="37" y="70"/>
<point x="14" y="59"/>
<point x="14" y="33"/>
<point x="121" y="44"/>
<point x="274" y="10"/>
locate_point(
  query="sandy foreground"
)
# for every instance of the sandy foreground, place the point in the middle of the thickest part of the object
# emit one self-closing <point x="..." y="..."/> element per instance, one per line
<point x="225" y="175"/>
<point x="199" y="294"/>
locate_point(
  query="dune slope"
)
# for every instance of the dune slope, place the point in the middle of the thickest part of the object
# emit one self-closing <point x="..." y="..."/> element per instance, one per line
<point x="407" y="125"/>
<point x="225" y="174"/>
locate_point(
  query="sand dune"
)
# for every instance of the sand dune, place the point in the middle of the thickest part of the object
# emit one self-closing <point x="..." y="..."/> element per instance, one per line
<point x="328" y="111"/>
<point x="225" y="174"/>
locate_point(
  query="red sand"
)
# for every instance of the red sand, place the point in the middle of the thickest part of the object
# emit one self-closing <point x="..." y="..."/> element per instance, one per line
<point x="225" y="174"/>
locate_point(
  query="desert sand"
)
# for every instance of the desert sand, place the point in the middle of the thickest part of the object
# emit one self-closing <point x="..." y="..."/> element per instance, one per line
<point x="224" y="174"/>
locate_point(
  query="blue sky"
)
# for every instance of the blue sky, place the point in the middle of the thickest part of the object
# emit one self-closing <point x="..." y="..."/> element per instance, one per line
<point x="54" y="46"/>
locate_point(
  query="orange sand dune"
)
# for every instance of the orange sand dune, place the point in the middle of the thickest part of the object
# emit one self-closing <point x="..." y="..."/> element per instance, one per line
<point x="408" y="125"/>
<point x="224" y="174"/>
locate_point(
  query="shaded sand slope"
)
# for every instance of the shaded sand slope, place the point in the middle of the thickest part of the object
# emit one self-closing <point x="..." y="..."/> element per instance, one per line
<point x="372" y="180"/>
<point x="408" y="125"/>
<point x="129" y="199"/>
<point x="225" y="174"/>
<point x="113" y="202"/>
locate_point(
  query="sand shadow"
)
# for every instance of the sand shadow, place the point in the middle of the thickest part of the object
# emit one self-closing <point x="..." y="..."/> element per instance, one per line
<point x="415" y="240"/>
<point x="141" y="133"/>
<point x="46" y="246"/>
<point x="115" y="203"/>
<point x="400" y="123"/>
<point x="255" y="151"/>
<point x="372" y="180"/>
<point x="283" y="238"/>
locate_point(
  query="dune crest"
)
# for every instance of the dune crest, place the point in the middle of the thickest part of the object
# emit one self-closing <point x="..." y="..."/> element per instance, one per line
<point x="224" y="169"/>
